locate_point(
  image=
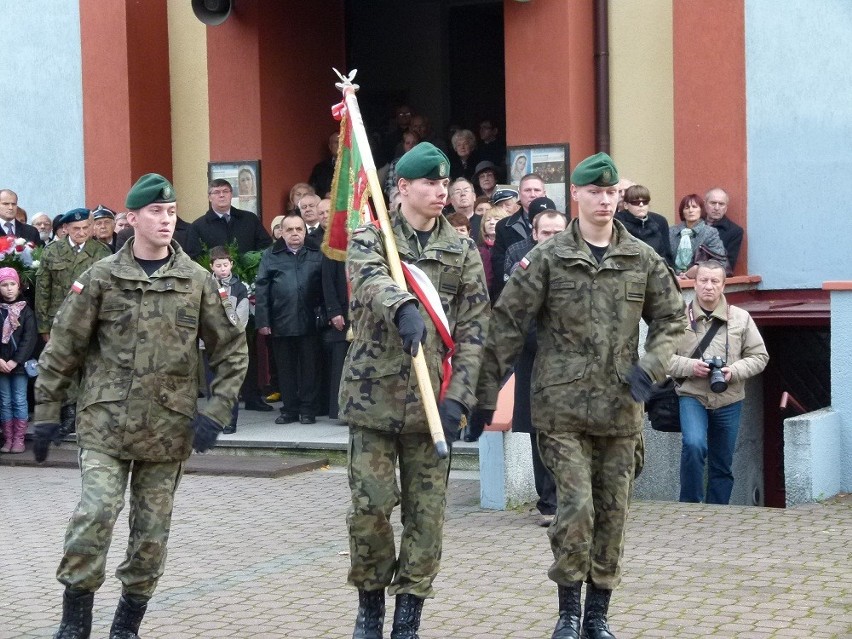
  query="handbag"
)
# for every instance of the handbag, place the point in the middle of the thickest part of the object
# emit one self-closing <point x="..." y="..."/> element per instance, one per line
<point x="31" y="365"/>
<point x="664" y="405"/>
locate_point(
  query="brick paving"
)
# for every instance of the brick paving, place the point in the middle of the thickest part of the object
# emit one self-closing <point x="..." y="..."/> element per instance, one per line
<point x="266" y="558"/>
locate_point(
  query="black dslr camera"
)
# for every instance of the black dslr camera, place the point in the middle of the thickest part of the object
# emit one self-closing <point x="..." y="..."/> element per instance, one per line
<point x="717" y="377"/>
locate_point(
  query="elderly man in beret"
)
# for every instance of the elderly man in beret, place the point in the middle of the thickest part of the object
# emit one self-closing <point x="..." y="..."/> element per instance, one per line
<point x="62" y="262"/>
<point x="131" y="323"/>
<point x="586" y="290"/>
<point x="382" y="404"/>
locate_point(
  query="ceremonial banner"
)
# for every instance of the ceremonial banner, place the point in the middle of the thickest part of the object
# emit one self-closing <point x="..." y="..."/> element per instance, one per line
<point x="350" y="190"/>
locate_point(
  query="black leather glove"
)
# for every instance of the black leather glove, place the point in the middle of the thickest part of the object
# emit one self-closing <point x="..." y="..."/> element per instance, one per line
<point x="206" y="433"/>
<point x="44" y="435"/>
<point x="481" y="418"/>
<point x="640" y="384"/>
<point x="412" y="330"/>
<point x="451" y="413"/>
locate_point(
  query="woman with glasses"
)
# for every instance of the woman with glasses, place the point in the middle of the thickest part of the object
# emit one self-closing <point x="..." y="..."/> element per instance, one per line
<point x="643" y="224"/>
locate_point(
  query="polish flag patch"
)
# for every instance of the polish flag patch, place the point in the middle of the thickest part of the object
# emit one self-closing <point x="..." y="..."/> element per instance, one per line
<point x="76" y="287"/>
<point x="524" y="263"/>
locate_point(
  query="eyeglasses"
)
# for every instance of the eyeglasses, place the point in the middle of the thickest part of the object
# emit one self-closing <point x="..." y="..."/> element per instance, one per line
<point x="403" y="113"/>
<point x="639" y="202"/>
<point x="220" y="191"/>
<point x="462" y="191"/>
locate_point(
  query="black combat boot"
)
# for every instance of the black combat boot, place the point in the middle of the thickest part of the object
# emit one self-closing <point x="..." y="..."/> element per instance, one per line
<point x="68" y="419"/>
<point x="76" y="615"/>
<point x="594" y="621"/>
<point x="128" y="616"/>
<point x="406" y="617"/>
<point x="371" y="615"/>
<point x="568" y="626"/>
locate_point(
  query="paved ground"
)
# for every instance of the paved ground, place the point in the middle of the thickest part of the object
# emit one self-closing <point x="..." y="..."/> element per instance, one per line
<point x="266" y="558"/>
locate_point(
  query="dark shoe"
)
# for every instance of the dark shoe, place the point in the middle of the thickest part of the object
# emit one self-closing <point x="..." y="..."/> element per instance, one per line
<point x="568" y="625"/>
<point x="286" y="418"/>
<point x="259" y="405"/>
<point x="545" y="520"/>
<point x="371" y="614"/>
<point x="128" y="616"/>
<point x="229" y="430"/>
<point x="406" y="617"/>
<point x="597" y="606"/>
<point x="76" y="615"/>
<point x="308" y="419"/>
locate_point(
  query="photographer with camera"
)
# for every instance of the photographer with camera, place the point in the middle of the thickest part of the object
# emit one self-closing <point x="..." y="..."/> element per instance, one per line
<point x="712" y="387"/>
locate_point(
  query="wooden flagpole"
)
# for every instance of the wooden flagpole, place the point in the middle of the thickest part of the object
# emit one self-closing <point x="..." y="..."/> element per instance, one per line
<point x="424" y="383"/>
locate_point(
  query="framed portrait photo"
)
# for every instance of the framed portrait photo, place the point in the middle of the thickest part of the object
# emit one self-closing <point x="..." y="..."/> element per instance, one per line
<point x="550" y="161"/>
<point x="244" y="178"/>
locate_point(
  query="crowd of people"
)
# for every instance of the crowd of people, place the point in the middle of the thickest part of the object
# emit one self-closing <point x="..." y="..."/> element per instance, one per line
<point x="519" y="286"/>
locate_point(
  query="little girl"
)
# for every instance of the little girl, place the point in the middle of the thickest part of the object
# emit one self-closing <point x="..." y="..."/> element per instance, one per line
<point x="17" y="343"/>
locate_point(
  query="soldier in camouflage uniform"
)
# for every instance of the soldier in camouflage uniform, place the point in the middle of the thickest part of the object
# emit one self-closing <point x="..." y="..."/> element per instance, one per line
<point x="382" y="404"/>
<point x="131" y="323"/>
<point x="586" y="289"/>
<point x="62" y="262"/>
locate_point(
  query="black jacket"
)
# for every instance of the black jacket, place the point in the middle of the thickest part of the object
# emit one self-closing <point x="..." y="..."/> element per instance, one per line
<point x="24" y="337"/>
<point x="315" y="239"/>
<point x="288" y="290"/>
<point x="245" y="228"/>
<point x="29" y="233"/>
<point x="731" y="235"/>
<point x="653" y="230"/>
<point x="335" y="296"/>
<point x="322" y="176"/>
<point x="508" y="231"/>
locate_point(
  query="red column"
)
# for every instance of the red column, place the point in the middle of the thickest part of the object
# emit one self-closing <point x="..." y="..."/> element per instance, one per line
<point x="126" y="98"/>
<point x="709" y="104"/>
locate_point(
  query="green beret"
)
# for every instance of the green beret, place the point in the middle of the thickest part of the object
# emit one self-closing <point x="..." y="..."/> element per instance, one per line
<point x="148" y="189"/>
<point x="423" y="161"/>
<point x="75" y="215"/>
<point x="598" y="169"/>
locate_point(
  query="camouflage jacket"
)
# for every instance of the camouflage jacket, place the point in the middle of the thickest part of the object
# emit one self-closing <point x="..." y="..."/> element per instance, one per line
<point x="58" y="269"/>
<point x="135" y="340"/>
<point x="379" y="389"/>
<point x="587" y="317"/>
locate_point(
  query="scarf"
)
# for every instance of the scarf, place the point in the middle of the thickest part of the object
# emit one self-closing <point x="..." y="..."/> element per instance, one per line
<point x="12" y="322"/>
<point x="683" y="256"/>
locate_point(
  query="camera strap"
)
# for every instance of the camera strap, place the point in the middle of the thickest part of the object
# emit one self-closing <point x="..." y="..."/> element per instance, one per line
<point x="715" y="325"/>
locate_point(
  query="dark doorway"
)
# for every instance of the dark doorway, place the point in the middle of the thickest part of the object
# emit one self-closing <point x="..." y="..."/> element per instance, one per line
<point x="799" y="364"/>
<point x="442" y="58"/>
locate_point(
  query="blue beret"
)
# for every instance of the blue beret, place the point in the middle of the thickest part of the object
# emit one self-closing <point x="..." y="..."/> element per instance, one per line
<point x="423" y="161"/>
<point x="150" y="188"/>
<point x="76" y="215"/>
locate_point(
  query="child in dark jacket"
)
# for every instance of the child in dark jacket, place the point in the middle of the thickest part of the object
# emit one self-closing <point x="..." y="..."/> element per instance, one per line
<point x="17" y="343"/>
<point x="230" y="286"/>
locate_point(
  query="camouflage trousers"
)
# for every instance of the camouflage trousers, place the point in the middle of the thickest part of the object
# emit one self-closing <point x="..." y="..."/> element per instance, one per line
<point x="87" y="540"/>
<point x="421" y="491"/>
<point x="594" y="481"/>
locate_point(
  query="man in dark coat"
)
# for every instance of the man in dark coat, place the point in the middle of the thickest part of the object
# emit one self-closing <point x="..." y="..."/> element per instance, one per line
<point x="220" y="226"/>
<point x="289" y="292"/>
<point x="730" y="233"/>
<point x="9" y="225"/>
<point x="517" y="226"/>
<point x="323" y="172"/>
<point x="336" y="299"/>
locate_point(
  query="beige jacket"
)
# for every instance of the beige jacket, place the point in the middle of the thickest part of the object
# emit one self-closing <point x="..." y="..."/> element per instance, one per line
<point x="746" y="354"/>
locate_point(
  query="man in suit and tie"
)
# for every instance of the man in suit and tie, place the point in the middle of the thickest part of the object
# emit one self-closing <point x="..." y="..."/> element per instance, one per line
<point x="310" y="212"/>
<point x="9" y="225"/>
<point x="222" y="225"/>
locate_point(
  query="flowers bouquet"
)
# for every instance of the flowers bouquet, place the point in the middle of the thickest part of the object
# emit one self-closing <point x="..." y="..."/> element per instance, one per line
<point x="17" y="253"/>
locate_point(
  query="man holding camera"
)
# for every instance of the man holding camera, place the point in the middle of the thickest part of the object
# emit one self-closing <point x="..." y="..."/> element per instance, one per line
<point x="713" y="385"/>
